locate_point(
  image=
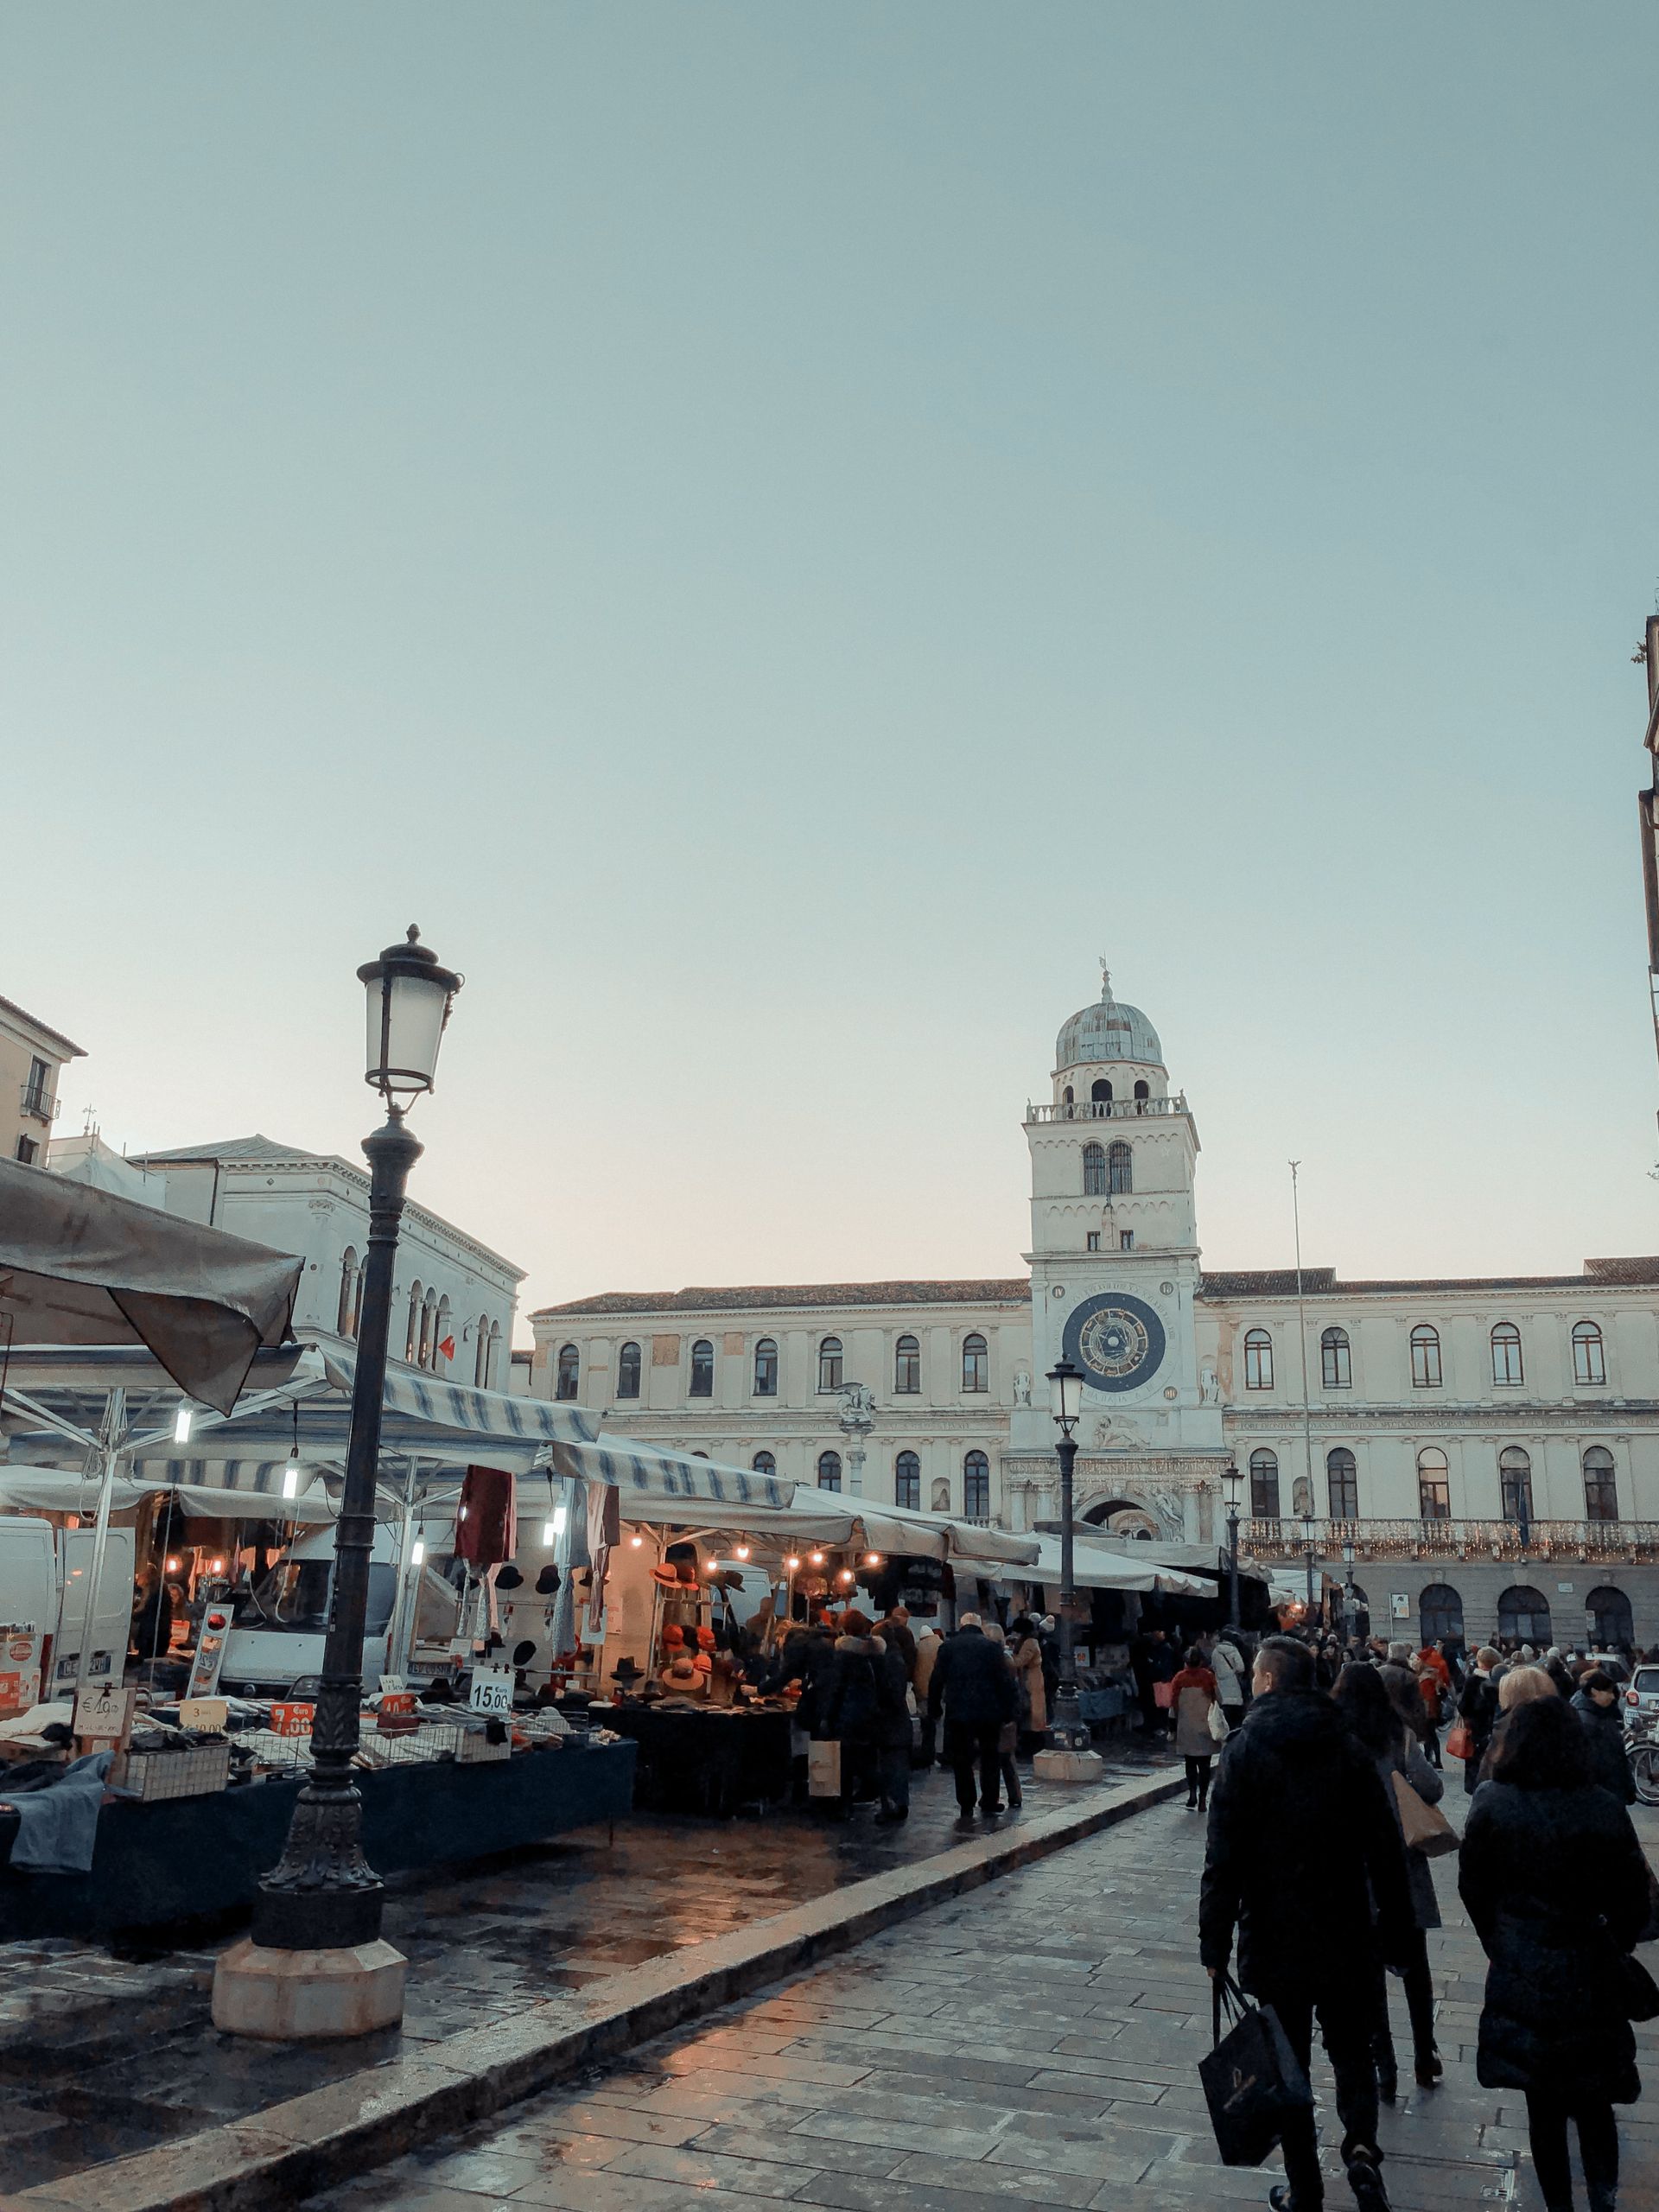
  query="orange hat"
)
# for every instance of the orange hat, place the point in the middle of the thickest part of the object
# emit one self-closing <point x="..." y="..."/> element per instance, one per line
<point x="706" y="1638"/>
<point x="673" y="1635"/>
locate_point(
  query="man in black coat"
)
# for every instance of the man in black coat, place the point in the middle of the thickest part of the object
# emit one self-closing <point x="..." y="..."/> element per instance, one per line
<point x="1301" y="1839"/>
<point x="974" y="1686"/>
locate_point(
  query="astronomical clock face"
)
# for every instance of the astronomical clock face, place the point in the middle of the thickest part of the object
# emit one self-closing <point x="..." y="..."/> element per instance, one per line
<point x="1117" y="1341"/>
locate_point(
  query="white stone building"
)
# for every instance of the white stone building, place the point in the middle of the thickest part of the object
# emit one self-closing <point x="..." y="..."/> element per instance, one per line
<point x="1489" y="1449"/>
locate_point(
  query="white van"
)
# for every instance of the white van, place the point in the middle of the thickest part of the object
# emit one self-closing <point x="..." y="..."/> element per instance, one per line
<point x="278" y="1631"/>
<point x="43" y="1580"/>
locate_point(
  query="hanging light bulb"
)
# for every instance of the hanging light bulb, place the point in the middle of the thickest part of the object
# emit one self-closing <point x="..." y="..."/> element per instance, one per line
<point x="417" y="1552"/>
<point x="291" y="1474"/>
<point x="635" y="1542"/>
<point x="742" y="1551"/>
<point x="182" y="1422"/>
<point x="791" y="1564"/>
<point x="871" y="1559"/>
<point x="817" y="1558"/>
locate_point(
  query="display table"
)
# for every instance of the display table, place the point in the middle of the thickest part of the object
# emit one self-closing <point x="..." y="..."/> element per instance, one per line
<point x="160" y="1863"/>
<point x="710" y="1760"/>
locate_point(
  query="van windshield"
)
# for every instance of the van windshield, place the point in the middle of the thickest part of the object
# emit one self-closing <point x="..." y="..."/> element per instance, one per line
<point x="295" y="1595"/>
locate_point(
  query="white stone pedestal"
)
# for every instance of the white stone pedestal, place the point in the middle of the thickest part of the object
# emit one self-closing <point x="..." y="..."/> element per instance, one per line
<point x="292" y="1996"/>
<point x="1068" y="1766"/>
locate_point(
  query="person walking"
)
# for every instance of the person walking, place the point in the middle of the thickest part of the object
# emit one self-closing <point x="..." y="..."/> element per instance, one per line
<point x="1431" y="1688"/>
<point x="1596" y="1703"/>
<point x="1556" y="1886"/>
<point x="1227" y="1665"/>
<point x="1027" y="1652"/>
<point x="894" y="1630"/>
<point x="1195" y="1698"/>
<point x="862" y="1698"/>
<point x="929" y="1644"/>
<point x="972" y="1689"/>
<point x="1008" y="1735"/>
<point x="1371" y="1715"/>
<point x="1311" y="1918"/>
<point x="1477" y="1708"/>
<point x="1048" y="1637"/>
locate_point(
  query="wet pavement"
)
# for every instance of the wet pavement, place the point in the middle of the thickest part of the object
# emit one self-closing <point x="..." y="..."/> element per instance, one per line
<point x="103" y="2055"/>
<point x="1032" y="2044"/>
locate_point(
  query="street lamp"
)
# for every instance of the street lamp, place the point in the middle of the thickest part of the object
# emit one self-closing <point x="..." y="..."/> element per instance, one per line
<point x="1230" y="1477"/>
<point x="322" y="1895"/>
<point x="1067" y="1733"/>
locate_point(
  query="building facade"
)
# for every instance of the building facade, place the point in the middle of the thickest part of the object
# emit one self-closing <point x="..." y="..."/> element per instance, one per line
<point x="31" y="1057"/>
<point x="1486" y="1450"/>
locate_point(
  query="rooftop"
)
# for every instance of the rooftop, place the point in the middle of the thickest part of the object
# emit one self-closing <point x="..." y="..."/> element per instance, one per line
<point x="253" y="1147"/>
<point x="8" y="1007"/>
<point x="741" y="1297"/>
<point x="1321" y="1282"/>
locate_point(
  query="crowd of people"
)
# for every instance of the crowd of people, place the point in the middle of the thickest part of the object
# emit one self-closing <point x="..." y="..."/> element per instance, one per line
<point x="1310" y="1887"/>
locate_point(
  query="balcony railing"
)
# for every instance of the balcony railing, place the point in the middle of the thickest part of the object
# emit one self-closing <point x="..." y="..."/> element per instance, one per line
<point x="39" y="1102"/>
<point x="1492" y="1540"/>
<point x="1107" y="1110"/>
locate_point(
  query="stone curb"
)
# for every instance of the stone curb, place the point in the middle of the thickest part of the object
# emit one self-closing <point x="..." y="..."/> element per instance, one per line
<point x="336" y="2132"/>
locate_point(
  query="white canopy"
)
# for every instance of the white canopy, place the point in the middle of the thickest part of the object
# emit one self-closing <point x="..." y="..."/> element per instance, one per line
<point x="48" y="1490"/>
<point x="1099" y="1570"/>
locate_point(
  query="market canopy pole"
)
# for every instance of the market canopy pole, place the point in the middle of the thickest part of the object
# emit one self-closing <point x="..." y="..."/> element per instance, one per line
<point x="315" y="1963"/>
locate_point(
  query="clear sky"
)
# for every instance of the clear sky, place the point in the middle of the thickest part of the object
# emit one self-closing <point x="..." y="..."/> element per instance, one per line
<point x="778" y="533"/>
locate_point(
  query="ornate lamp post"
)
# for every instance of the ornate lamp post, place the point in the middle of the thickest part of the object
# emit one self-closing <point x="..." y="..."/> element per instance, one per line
<point x="1068" y="1757"/>
<point x="1230" y="1477"/>
<point x="322" y="1896"/>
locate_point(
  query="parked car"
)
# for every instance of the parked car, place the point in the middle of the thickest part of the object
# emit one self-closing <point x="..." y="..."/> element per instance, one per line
<point x="1642" y="1695"/>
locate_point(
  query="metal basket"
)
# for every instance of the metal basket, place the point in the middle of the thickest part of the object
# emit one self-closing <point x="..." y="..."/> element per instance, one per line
<point x="475" y="1747"/>
<point x="157" y="1777"/>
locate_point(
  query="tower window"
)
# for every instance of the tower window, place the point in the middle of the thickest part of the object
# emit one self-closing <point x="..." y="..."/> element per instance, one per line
<point x="1589" y="1356"/>
<point x="975" y="1364"/>
<point x="766" y="1367"/>
<point x="829" y="1470"/>
<point x="1143" y="1090"/>
<point x="1100" y="1092"/>
<point x="906" y="1366"/>
<point x="1094" y="1170"/>
<point x="907" y="1481"/>
<point x="569" y="1372"/>
<point x="829" y="1365"/>
<point x="1119" y="1170"/>
<point x="1508" y="1373"/>
<point x="1093" y="1240"/>
<point x="1258" y="1360"/>
<point x="702" y="1369"/>
<point x="1336" y="1360"/>
<point x="1264" y="1485"/>
<point x="628" y="1371"/>
<point x="1067" y="1095"/>
<point x="1342" y="1483"/>
<point x="1425" y="1357"/>
<point x="1126" y="1240"/>
<point x="976" y="1486"/>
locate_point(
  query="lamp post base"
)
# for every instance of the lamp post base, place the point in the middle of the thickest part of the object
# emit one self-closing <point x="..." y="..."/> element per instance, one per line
<point x="305" y="1996"/>
<point x="1059" y="1765"/>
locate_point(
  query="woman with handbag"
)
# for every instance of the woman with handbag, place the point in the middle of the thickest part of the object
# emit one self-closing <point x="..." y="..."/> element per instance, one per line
<point x="1195" y="1698"/>
<point x="1374" y="1717"/>
<point x="1557" y="1885"/>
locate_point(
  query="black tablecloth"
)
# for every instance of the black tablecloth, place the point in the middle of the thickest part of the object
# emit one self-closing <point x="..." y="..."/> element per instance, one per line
<point x="154" y="1864"/>
<point x="711" y="1761"/>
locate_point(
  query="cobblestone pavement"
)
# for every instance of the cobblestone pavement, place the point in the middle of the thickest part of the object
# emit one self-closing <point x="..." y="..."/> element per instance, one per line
<point x="1034" y="2044"/>
<point x="103" y="2055"/>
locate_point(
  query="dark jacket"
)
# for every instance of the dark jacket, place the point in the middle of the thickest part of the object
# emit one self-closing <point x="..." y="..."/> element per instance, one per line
<point x="1430" y="1785"/>
<point x="897" y="1636"/>
<point x="973" y="1682"/>
<point x="1477" y="1705"/>
<point x="1290" y="1780"/>
<point x="863" y="1701"/>
<point x="1606" y="1731"/>
<point x="807" y="1656"/>
<point x="1557" y="1888"/>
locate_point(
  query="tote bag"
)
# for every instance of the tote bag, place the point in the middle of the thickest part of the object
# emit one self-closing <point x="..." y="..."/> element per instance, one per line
<point x="823" y="1769"/>
<point x="1252" y="2081"/>
<point x="1426" y="1828"/>
<point x="1163" y="1695"/>
<point x="1460" y="1744"/>
<point x="1220" y="1729"/>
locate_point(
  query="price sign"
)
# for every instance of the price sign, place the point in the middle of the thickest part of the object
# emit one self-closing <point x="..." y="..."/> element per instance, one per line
<point x="203" y="1711"/>
<point x="396" y="1706"/>
<point x="292" y="1720"/>
<point x="102" y="1714"/>
<point x="492" y="1690"/>
<point x="13" y="1697"/>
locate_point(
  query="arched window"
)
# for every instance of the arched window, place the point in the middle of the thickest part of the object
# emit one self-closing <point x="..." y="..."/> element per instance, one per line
<point x="1336" y="1360"/>
<point x="1434" y="1485"/>
<point x="440" y="1333"/>
<point x="907" y="1481"/>
<point x="830" y="1364"/>
<point x="976" y="1486"/>
<point x="1425" y="1357"/>
<point x="348" y="1287"/>
<point x="357" y="1294"/>
<point x="1143" y="1090"/>
<point x="1589" y="1355"/>
<point x="975" y="1364"/>
<point x="942" y="1494"/>
<point x="428" y="1315"/>
<point x="1068" y="1097"/>
<point x="766" y="1367"/>
<point x="1600" y="1485"/>
<point x="1119" y="1170"/>
<point x="569" y="1372"/>
<point x="412" y="1334"/>
<point x="1100" y="1092"/>
<point x="1607" y="1614"/>
<point x="628" y="1371"/>
<point x="1094" y="1170"/>
<point x="1507" y="1371"/>
<point x="481" y="1351"/>
<point x="1523" y="1616"/>
<point x="764" y="1463"/>
<point x="1258" y="1360"/>
<point x="1514" y="1481"/>
<point x="702" y="1369"/>
<point x="908" y="1366"/>
<point x="829" y="1470"/>
<point x="1342" y="1484"/>
<point x="1264" y="1484"/>
<point x="1439" y="1614"/>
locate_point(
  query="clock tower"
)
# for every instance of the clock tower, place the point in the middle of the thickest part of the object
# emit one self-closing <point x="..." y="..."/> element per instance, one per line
<point x="1114" y="1266"/>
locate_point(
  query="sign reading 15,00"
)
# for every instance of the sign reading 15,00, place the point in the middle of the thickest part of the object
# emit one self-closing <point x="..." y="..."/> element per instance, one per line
<point x="492" y="1690"/>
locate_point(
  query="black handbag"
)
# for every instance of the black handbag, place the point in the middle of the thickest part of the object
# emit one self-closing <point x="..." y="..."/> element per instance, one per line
<point x="1253" y="2082"/>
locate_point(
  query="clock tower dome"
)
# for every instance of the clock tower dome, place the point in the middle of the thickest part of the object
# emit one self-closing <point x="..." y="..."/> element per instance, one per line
<point x="1114" y="1266"/>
